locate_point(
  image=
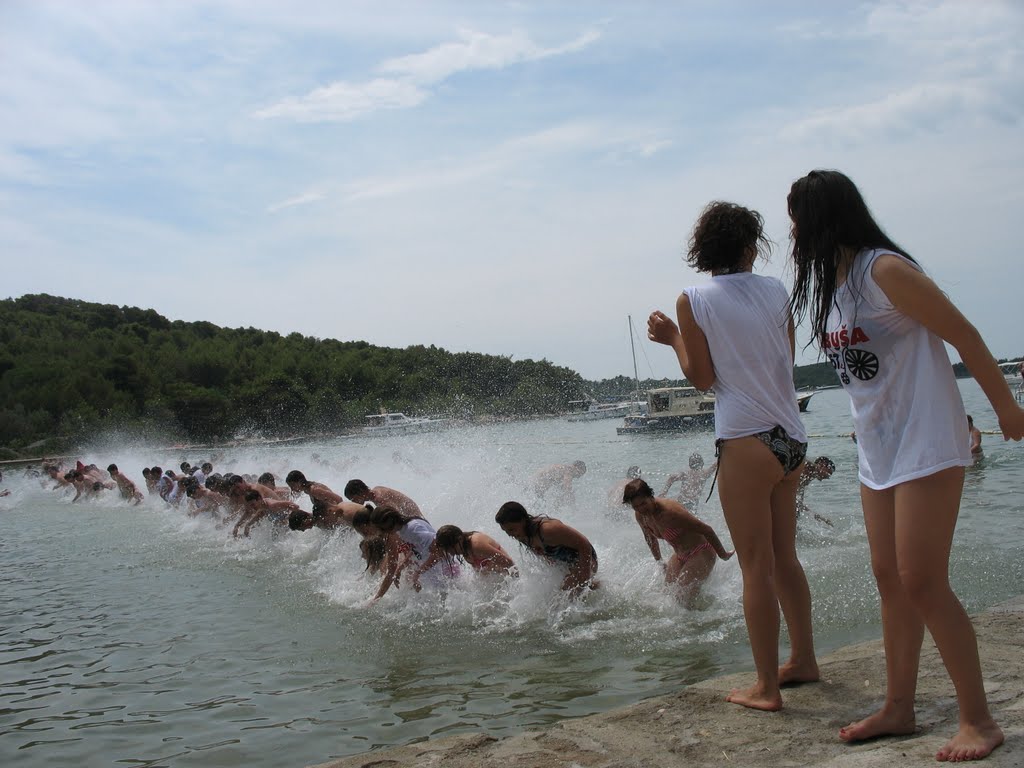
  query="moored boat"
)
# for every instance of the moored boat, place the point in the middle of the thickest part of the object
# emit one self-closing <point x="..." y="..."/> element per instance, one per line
<point x="803" y="399"/>
<point x="595" y="411"/>
<point x="400" y="424"/>
<point x="1013" y="370"/>
<point x="671" y="409"/>
<point x="675" y="409"/>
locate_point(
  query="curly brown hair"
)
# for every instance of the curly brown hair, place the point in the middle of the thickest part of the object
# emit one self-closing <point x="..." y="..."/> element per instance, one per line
<point x="723" y="236"/>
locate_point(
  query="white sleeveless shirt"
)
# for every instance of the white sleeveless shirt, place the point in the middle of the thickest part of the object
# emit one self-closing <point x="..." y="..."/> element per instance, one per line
<point x="419" y="535"/>
<point x="906" y="406"/>
<point x="745" y="318"/>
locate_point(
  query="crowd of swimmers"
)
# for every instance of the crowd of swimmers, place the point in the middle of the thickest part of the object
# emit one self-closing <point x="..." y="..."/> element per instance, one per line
<point x="401" y="546"/>
<point x="882" y="324"/>
<point x="398" y="543"/>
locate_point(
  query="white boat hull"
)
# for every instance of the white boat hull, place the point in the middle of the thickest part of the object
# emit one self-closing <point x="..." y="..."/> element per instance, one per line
<point x="400" y="424"/>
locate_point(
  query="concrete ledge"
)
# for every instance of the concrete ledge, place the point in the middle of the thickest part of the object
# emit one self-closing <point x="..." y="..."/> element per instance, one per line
<point x="697" y="728"/>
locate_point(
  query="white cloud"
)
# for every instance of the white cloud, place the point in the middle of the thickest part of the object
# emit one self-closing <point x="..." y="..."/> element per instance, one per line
<point x="928" y="65"/>
<point x="519" y="153"/>
<point x="478" y="50"/>
<point x="345" y="101"/>
<point x="131" y="145"/>
<point x="293" y="202"/>
<point x="341" y="101"/>
<point x="651" y="148"/>
<point x="920" y="107"/>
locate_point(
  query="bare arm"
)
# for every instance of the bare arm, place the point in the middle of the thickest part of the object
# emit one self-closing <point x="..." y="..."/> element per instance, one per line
<point x="687" y="520"/>
<point x="432" y="558"/>
<point x="672" y="480"/>
<point x="916" y="296"/>
<point x="280" y="504"/>
<point x="709" y="533"/>
<point x="975" y="440"/>
<point x="393" y="568"/>
<point x="246" y="515"/>
<point x="649" y="537"/>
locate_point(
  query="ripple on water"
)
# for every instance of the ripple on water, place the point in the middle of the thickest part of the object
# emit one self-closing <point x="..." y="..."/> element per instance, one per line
<point x="136" y="636"/>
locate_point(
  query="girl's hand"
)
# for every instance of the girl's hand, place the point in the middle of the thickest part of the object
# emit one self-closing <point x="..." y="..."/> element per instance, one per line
<point x="1012" y="423"/>
<point x="661" y="328"/>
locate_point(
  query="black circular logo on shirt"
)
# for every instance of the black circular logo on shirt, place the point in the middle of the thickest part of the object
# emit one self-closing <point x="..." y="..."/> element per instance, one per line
<point x="861" y="363"/>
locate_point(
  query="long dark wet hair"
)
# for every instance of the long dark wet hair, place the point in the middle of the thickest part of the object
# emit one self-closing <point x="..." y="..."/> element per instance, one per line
<point x="449" y="537"/>
<point x="373" y="551"/>
<point x="514" y="512"/>
<point x="829" y="215"/>
<point x="636" y="489"/>
<point x="389" y="519"/>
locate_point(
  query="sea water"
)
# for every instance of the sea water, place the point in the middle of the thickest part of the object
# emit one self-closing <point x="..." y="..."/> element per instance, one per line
<point x="138" y="636"/>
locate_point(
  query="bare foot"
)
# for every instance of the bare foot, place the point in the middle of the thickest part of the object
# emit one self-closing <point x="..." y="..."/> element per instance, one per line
<point x="792" y="673"/>
<point x="881" y="723"/>
<point x="971" y="743"/>
<point x="756" y="698"/>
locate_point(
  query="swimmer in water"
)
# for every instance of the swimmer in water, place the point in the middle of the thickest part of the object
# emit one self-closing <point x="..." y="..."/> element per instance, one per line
<point x="483" y="553"/>
<point x="974" y="435"/>
<point x="615" y="494"/>
<point x="381" y="496"/>
<point x="695" y="545"/>
<point x="321" y="496"/>
<point x="418" y="535"/>
<point x="558" y="477"/>
<point x="819" y="469"/>
<point x="556" y="542"/>
<point x="327" y="518"/>
<point x="126" y="486"/>
<point x="691" y="483"/>
<point x="257" y="507"/>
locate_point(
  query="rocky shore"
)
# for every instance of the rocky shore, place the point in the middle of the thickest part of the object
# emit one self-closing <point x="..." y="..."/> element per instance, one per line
<point x="696" y="727"/>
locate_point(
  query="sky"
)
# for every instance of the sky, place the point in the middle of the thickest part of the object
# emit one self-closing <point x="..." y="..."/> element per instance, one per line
<point x="511" y="178"/>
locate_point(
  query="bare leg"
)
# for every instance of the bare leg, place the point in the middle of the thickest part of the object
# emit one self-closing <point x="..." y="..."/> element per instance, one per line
<point x="672" y="569"/>
<point x="902" y="628"/>
<point x="747" y="474"/>
<point x="926" y="513"/>
<point x="794" y="594"/>
<point x="692" y="575"/>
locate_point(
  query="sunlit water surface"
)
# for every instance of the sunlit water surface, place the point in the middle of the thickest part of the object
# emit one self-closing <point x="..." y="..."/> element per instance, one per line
<point x="136" y="636"/>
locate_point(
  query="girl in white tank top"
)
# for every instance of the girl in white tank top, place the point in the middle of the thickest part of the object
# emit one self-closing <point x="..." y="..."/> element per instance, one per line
<point x="735" y="336"/>
<point x="881" y="322"/>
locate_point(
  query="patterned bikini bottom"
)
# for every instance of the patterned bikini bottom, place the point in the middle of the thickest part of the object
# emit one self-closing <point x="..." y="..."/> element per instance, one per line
<point x="790" y="453"/>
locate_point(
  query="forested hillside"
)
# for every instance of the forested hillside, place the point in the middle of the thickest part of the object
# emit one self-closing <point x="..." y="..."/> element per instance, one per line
<point x="69" y="368"/>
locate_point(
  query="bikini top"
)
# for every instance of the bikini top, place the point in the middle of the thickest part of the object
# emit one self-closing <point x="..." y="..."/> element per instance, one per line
<point x="558" y="552"/>
<point x="670" y="534"/>
<point x="476" y="562"/>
